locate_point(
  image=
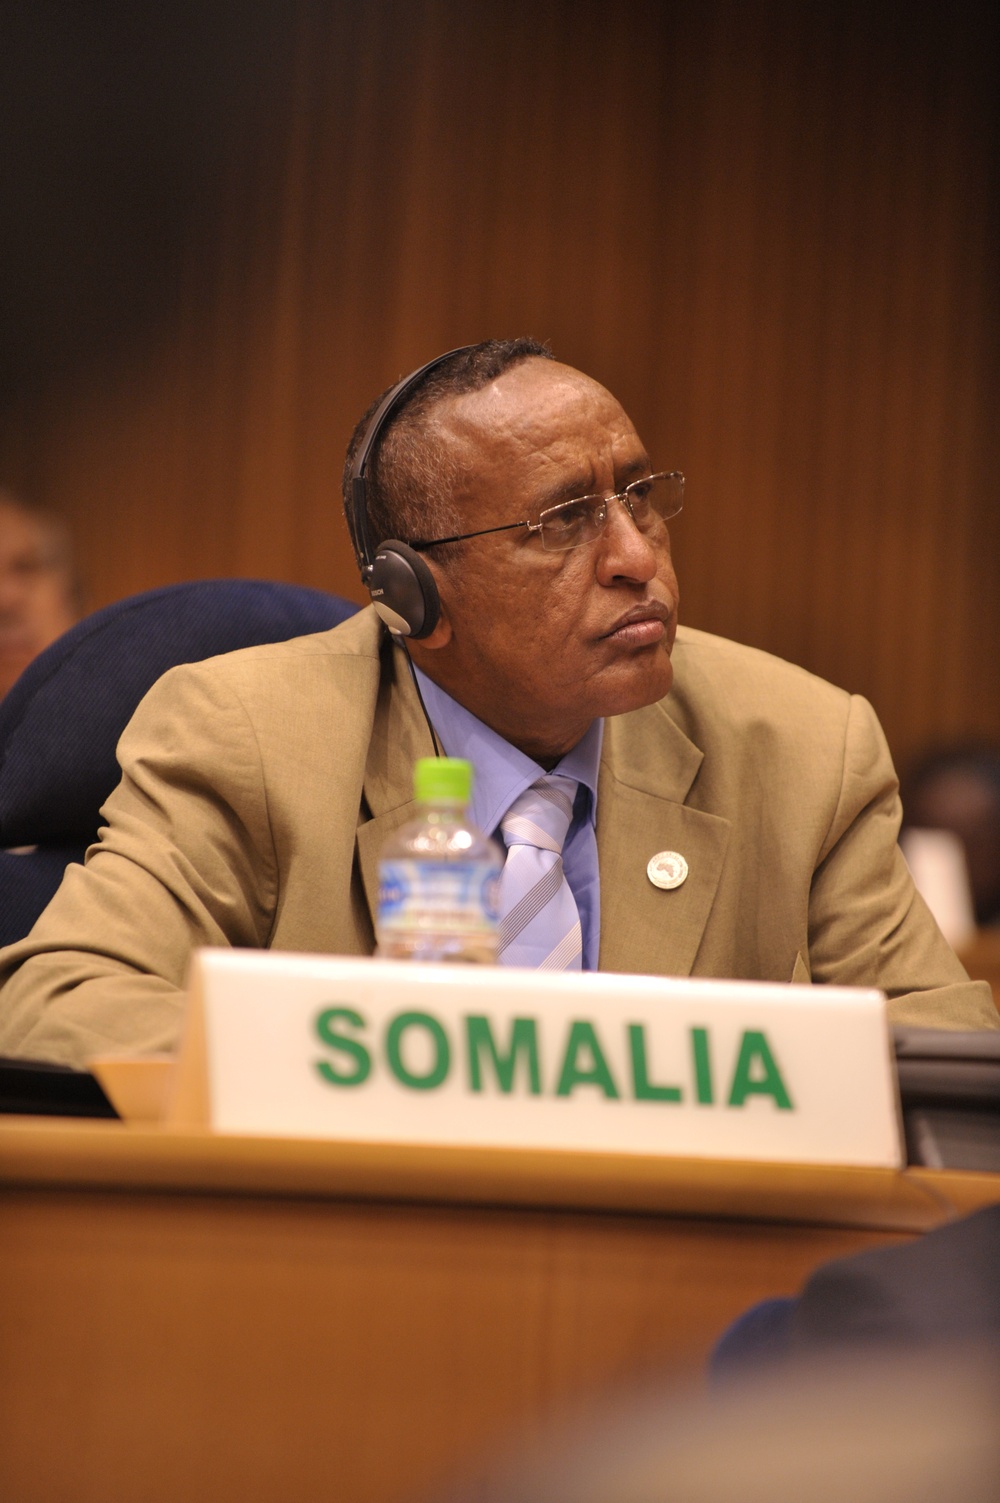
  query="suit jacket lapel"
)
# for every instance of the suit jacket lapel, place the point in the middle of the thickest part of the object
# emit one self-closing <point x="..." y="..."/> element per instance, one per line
<point x="647" y="768"/>
<point x="399" y="737"/>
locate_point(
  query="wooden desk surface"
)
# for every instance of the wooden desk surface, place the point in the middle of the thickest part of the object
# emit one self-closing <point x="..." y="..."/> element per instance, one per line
<point x="190" y="1316"/>
<point x="111" y="1155"/>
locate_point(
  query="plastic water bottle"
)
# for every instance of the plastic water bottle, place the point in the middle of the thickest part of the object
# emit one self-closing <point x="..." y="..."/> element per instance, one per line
<point x="438" y="875"/>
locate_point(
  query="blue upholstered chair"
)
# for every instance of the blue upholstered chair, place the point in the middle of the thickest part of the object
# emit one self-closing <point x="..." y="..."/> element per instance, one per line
<point x="60" y="723"/>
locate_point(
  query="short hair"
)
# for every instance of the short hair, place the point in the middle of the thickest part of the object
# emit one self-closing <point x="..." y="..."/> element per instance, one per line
<point x="408" y="486"/>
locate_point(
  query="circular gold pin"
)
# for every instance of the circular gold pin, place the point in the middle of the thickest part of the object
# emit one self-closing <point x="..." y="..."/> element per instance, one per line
<point x="667" y="869"/>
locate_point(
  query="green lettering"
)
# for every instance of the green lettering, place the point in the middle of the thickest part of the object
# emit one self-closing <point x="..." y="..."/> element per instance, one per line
<point x="393" y="1050"/>
<point x="641" y="1088"/>
<point x="583" y="1039"/>
<point x="523" y="1043"/>
<point x="757" y="1073"/>
<point x="348" y="1047"/>
<point x="702" y="1067"/>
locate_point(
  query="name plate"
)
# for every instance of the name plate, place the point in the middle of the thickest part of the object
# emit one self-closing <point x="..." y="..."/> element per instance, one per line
<point x="385" y="1051"/>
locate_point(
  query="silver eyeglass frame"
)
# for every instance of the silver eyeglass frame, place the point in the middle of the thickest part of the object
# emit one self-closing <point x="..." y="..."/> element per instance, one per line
<point x="420" y="544"/>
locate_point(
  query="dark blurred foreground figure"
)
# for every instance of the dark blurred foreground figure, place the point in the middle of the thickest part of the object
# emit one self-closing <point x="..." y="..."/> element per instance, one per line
<point x="940" y="1290"/>
<point x="39" y="594"/>
<point x="958" y="789"/>
<point x="880" y="1429"/>
<point x="879" y="1384"/>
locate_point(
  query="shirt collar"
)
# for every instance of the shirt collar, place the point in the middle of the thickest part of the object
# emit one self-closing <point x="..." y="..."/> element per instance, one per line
<point x="502" y="772"/>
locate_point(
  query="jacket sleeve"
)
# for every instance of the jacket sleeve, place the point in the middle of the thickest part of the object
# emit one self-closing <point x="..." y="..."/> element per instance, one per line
<point x="186" y="859"/>
<point x="866" y="918"/>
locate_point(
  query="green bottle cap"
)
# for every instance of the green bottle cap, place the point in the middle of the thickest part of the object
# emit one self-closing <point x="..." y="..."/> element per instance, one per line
<point x="442" y="780"/>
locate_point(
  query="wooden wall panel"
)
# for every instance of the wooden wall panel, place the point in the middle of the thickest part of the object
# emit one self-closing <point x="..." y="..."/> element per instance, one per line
<point x="768" y="227"/>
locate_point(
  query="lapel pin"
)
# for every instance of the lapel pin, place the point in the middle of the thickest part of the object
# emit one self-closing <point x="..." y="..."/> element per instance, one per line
<point x="667" y="869"/>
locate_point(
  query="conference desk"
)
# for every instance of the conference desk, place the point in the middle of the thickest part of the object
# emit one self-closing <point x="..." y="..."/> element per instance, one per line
<point x="187" y="1316"/>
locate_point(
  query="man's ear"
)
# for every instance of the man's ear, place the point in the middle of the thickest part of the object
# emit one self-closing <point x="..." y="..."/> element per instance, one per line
<point x="442" y="633"/>
<point x="439" y="637"/>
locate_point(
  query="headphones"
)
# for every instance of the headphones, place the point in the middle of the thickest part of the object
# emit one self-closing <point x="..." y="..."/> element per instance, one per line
<point x="401" y="585"/>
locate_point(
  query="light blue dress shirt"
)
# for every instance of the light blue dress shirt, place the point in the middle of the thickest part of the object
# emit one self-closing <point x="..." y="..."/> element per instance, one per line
<point x="502" y="773"/>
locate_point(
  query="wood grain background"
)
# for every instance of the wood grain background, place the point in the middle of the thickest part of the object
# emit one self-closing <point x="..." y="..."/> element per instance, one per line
<point x="770" y="228"/>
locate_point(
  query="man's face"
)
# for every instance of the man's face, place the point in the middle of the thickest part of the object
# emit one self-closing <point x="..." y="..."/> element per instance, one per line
<point x="539" y="644"/>
<point x="35" y="593"/>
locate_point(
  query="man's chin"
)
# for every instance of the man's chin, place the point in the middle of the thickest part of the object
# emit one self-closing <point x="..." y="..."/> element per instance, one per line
<point x="636" y="685"/>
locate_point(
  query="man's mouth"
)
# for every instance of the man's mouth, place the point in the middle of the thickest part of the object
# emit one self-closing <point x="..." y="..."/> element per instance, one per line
<point x="642" y="626"/>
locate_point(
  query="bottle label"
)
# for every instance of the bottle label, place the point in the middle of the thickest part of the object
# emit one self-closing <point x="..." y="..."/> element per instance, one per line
<point x="455" y="897"/>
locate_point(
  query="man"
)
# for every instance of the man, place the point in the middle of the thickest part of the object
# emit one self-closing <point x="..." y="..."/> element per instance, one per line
<point x="258" y="788"/>
<point x="38" y="589"/>
<point x="957" y="788"/>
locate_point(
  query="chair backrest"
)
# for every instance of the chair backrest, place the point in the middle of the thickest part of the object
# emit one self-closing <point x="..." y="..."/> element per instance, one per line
<point x="60" y="723"/>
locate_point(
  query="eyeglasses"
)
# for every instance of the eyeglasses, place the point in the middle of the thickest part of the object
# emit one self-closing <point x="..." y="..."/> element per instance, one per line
<point x="649" y="502"/>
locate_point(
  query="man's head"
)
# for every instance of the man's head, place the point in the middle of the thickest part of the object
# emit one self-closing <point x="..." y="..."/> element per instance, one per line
<point x="957" y="788"/>
<point x="536" y="643"/>
<point x="407" y="484"/>
<point x="38" y="591"/>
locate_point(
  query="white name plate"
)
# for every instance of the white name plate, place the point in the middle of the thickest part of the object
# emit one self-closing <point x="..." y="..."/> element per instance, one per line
<point x="383" y="1051"/>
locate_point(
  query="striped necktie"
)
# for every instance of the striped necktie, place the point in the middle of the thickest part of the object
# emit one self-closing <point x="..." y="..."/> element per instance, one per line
<point x="539" y="921"/>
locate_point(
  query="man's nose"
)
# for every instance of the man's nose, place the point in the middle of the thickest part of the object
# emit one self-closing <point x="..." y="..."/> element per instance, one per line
<point x="625" y="552"/>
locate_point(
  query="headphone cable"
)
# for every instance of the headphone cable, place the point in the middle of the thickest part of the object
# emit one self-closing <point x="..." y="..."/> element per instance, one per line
<point x="401" y="642"/>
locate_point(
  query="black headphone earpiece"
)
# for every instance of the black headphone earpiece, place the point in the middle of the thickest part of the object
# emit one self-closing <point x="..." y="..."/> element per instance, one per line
<point x="403" y="590"/>
<point x="401" y="585"/>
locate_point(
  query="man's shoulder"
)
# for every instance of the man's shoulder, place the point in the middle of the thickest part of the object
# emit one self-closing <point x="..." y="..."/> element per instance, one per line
<point x="358" y="640"/>
<point x="717" y="678"/>
<point x="284" y="704"/>
<point x="360" y="636"/>
<point x="745" y="711"/>
<point x="341" y="665"/>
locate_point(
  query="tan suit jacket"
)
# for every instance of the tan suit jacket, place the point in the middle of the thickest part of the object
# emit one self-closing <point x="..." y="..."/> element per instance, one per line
<point x="259" y="787"/>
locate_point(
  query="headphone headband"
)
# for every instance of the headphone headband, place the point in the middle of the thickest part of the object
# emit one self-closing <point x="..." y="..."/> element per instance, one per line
<point x="364" y="547"/>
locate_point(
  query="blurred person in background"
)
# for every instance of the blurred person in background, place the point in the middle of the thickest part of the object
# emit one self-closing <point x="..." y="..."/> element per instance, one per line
<point x="39" y="590"/>
<point x="957" y="788"/>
